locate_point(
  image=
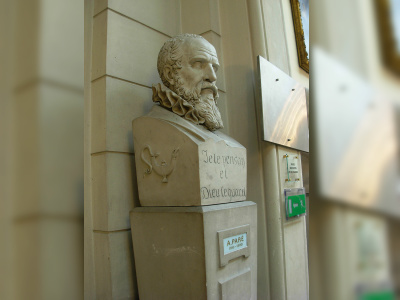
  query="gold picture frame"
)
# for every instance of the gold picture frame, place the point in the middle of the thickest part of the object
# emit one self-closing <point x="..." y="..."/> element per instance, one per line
<point x="390" y="55"/>
<point x="299" y="34"/>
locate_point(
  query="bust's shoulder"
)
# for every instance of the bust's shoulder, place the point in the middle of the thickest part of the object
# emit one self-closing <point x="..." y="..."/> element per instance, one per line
<point x="159" y="112"/>
<point x="163" y="118"/>
<point x="194" y="131"/>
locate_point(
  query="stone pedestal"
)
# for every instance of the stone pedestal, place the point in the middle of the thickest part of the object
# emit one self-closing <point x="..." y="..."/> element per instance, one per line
<point x="200" y="252"/>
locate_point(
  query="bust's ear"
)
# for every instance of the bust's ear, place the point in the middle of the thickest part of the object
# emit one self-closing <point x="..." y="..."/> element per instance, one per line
<point x="168" y="75"/>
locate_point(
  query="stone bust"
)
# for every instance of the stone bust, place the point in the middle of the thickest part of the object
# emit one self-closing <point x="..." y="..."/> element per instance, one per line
<point x="181" y="157"/>
<point x="188" y="65"/>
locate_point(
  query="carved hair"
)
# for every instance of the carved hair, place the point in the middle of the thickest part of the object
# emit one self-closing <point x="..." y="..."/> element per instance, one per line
<point x="171" y="54"/>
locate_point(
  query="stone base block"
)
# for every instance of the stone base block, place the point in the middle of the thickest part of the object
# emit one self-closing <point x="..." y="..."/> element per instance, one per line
<point x="202" y="252"/>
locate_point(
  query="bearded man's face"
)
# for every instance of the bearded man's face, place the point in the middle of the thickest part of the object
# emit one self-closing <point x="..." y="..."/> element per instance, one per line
<point x="195" y="81"/>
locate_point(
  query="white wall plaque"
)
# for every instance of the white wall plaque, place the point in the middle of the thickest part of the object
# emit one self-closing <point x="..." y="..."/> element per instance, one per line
<point x="292" y="168"/>
<point x="233" y="242"/>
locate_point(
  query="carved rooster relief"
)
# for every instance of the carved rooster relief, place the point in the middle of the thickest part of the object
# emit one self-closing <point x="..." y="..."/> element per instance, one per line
<point x="163" y="169"/>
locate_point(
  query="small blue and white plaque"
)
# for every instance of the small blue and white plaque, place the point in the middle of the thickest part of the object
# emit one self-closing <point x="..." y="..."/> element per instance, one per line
<point x="235" y="243"/>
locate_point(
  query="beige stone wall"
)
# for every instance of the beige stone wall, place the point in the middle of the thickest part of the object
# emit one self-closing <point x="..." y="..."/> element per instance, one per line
<point x="46" y="161"/>
<point x="126" y="38"/>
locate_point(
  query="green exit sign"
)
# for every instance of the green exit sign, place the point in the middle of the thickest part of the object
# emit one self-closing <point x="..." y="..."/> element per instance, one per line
<point x="295" y="202"/>
<point x="378" y="295"/>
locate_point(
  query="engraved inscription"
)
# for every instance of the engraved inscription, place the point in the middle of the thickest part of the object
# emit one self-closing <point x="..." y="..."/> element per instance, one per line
<point x="164" y="169"/>
<point x="223" y="168"/>
<point x="207" y="193"/>
<point x="213" y="158"/>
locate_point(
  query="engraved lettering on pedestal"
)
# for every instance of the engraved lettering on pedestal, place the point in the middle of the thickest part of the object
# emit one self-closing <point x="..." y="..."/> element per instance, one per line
<point x="207" y="193"/>
<point x="163" y="169"/>
<point x="225" y="167"/>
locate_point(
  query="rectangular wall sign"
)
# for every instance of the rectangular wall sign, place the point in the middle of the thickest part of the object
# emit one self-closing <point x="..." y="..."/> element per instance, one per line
<point x="295" y="200"/>
<point x="233" y="242"/>
<point x="284" y="107"/>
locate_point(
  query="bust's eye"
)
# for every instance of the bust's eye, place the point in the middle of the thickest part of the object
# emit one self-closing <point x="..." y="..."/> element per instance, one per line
<point x="197" y="64"/>
<point x="215" y="67"/>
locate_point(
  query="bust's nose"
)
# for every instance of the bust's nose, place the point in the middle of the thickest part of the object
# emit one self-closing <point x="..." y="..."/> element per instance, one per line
<point x="209" y="74"/>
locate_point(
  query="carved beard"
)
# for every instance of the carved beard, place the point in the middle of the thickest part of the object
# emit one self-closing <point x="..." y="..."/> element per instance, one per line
<point x="187" y="94"/>
<point x="204" y="104"/>
<point x="208" y="109"/>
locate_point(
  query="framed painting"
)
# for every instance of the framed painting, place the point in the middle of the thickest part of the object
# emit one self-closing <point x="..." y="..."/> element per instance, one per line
<point x="388" y="17"/>
<point x="300" y="13"/>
